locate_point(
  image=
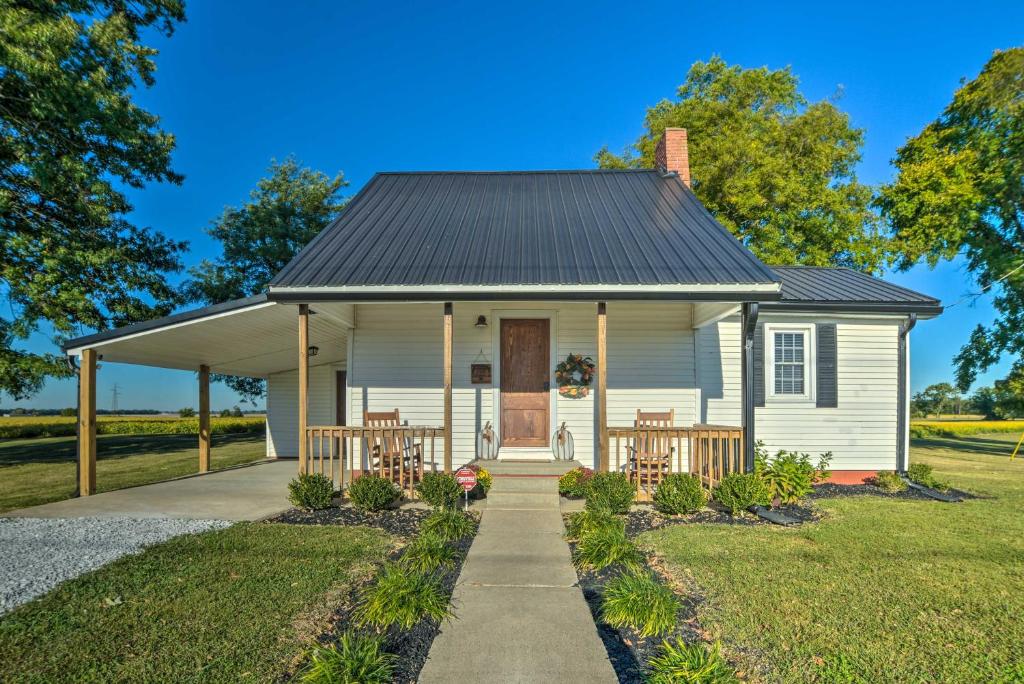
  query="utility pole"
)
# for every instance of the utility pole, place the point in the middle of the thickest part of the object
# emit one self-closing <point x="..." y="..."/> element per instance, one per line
<point x="114" y="391"/>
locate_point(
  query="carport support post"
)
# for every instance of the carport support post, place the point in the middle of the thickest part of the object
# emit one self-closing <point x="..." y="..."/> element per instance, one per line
<point x="204" y="419"/>
<point x="303" y="382"/>
<point x="87" y="423"/>
<point x="602" y="384"/>
<point x="448" y="335"/>
<point x="748" y="325"/>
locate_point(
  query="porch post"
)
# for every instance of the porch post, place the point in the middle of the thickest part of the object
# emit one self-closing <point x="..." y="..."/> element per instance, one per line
<point x="748" y="326"/>
<point x="602" y="385"/>
<point x="87" y="423"/>
<point x="448" y="334"/>
<point x="204" y="419"/>
<point x="303" y="382"/>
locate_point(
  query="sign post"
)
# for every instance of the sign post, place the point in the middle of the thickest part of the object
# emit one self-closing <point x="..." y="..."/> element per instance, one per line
<point x="467" y="478"/>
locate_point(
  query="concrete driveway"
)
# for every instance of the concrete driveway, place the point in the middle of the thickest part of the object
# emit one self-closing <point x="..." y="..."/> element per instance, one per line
<point x="245" y="493"/>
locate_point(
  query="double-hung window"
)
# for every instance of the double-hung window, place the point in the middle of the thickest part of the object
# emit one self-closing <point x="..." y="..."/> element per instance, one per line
<point x="790" y="369"/>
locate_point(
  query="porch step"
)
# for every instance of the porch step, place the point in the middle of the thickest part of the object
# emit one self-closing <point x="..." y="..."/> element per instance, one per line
<point x="545" y="468"/>
<point x="497" y="499"/>
<point x="507" y="484"/>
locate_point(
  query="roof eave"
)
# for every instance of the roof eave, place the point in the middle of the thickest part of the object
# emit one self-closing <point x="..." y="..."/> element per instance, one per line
<point x="924" y="310"/>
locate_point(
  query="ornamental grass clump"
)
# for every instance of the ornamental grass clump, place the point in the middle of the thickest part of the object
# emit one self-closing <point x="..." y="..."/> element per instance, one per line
<point x="610" y="492"/>
<point x="574" y="483"/>
<point x="313" y="492"/>
<point x="354" y="659"/>
<point x="373" y="493"/>
<point x="678" y="662"/>
<point x="402" y="597"/>
<point x="607" y="545"/>
<point x="427" y="553"/>
<point x="739" y="491"/>
<point x="440" y="490"/>
<point x="888" y="481"/>
<point x="922" y="474"/>
<point x="638" y="601"/>
<point x="680" y="493"/>
<point x="448" y="524"/>
<point x="586" y="521"/>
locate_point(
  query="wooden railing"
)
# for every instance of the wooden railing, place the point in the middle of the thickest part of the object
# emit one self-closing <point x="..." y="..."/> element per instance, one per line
<point x="401" y="454"/>
<point x="648" y="454"/>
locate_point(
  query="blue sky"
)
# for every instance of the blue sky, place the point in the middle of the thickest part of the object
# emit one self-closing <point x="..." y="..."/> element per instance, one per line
<point x="362" y="87"/>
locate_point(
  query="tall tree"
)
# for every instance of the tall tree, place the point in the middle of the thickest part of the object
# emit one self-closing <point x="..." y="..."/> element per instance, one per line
<point x="286" y="210"/>
<point x="775" y="169"/>
<point x="959" y="190"/>
<point x="70" y="135"/>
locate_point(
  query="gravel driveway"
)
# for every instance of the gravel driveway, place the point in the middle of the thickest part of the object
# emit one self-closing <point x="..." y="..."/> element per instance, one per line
<point x="37" y="554"/>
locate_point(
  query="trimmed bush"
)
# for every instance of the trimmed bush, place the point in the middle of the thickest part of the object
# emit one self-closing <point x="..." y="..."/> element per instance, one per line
<point x="610" y="492"/>
<point x="680" y="493"/>
<point x="638" y="601"/>
<point x="790" y="476"/>
<point x="586" y="521"/>
<point x="678" y="662"/>
<point x="740" y="491"/>
<point x="448" y="524"/>
<point x="402" y="597"/>
<point x="922" y="474"/>
<point x="888" y="481"/>
<point x="373" y="493"/>
<point x="354" y="659"/>
<point x="427" y="553"/>
<point x="607" y="545"/>
<point x="440" y="490"/>
<point x="312" y="492"/>
<point x="574" y="483"/>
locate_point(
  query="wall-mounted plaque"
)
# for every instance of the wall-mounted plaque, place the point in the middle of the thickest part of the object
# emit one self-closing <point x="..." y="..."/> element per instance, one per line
<point x="480" y="373"/>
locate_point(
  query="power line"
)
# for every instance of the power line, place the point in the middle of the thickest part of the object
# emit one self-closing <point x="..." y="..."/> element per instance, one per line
<point x="1000" y="279"/>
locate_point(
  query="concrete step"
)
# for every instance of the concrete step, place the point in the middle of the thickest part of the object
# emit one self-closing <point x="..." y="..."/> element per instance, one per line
<point x="505" y="467"/>
<point x="527" y="484"/>
<point x="521" y="500"/>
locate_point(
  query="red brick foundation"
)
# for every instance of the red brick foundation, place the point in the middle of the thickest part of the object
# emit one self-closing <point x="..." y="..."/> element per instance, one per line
<point x="851" y="477"/>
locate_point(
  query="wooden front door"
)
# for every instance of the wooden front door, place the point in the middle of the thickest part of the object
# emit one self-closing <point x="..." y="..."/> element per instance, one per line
<point x="525" y="382"/>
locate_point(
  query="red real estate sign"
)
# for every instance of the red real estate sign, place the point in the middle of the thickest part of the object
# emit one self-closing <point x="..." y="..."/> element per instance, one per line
<point x="466" y="477"/>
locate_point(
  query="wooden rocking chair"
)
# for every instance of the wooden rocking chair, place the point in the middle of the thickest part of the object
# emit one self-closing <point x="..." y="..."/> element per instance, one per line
<point x="391" y="455"/>
<point x="650" y="456"/>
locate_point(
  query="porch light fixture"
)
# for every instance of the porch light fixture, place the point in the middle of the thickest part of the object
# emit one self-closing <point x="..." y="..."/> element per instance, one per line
<point x="314" y="350"/>
<point x="481" y="321"/>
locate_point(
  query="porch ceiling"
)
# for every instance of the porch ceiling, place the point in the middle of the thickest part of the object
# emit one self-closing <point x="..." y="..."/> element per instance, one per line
<point x="253" y="340"/>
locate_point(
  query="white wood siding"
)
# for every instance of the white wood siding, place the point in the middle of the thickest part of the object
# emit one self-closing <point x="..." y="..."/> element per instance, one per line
<point x="283" y="407"/>
<point x="860" y="432"/>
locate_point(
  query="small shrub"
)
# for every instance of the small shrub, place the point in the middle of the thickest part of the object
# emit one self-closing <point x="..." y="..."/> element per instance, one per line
<point x="607" y="545"/>
<point x="586" y="521"/>
<point x="638" y="601"/>
<point x="373" y="493"/>
<point x="790" y="475"/>
<point x="680" y="663"/>
<point x="440" y="490"/>
<point x="740" y="491"/>
<point x="448" y="524"/>
<point x="402" y="597"/>
<point x="355" y="659"/>
<point x="484" y="480"/>
<point x="313" y="492"/>
<point x="427" y="553"/>
<point x="574" y="483"/>
<point x="610" y="492"/>
<point x="922" y="474"/>
<point x="888" y="481"/>
<point x="680" y="493"/>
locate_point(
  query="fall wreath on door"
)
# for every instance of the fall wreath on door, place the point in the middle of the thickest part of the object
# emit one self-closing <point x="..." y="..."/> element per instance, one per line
<point x="574" y="376"/>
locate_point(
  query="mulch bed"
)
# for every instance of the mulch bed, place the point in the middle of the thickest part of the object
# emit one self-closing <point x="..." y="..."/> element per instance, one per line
<point x="412" y="645"/>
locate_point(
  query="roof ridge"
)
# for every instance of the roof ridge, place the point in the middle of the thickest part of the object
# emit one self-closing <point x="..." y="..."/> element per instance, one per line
<point x="498" y="172"/>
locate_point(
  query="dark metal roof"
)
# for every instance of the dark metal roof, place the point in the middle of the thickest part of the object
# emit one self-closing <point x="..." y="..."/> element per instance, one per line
<point x="165" y="321"/>
<point x="576" y="228"/>
<point x="843" y="289"/>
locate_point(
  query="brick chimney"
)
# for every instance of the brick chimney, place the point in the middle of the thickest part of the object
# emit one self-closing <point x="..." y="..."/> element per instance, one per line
<point x="672" y="154"/>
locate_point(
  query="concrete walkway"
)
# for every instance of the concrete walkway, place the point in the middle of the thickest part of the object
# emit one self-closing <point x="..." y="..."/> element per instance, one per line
<point x="246" y="493"/>
<point x="519" y="615"/>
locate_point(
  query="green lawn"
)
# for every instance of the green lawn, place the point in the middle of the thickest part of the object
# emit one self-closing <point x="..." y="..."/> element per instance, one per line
<point x="881" y="589"/>
<point x="236" y="605"/>
<point x="36" y="471"/>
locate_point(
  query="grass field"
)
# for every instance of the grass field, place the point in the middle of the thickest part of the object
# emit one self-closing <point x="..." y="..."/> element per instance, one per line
<point x="26" y="427"/>
<point x="960" y="428"/>
<point x="881" y="590"/>
<point x="236" y="605"/>
<point x="35" y="471"/>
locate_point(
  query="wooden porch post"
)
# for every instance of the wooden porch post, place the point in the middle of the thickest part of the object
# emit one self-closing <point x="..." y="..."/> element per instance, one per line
<point x="87" y="423"/>
<point x="602" y="385"/>
<point x="303" y="382"/>
<point x="204" y="419"/>
<point x="448" y="334"/>
<point x="748" y="326"/>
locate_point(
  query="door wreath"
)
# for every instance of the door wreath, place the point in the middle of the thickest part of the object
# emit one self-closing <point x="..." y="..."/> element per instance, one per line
<point x="574" y="376"/>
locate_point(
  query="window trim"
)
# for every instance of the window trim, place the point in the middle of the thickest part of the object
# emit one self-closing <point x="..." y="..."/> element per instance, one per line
<point x="810" y="345"/>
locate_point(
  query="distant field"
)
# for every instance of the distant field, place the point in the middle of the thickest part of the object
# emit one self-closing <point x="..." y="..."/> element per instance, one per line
<point x="24" y="427"/>
<point x="960" y="428"/>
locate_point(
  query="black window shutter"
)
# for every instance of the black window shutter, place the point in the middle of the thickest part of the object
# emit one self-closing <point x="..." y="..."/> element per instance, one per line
<point x="827" y="373"/>
<point x="759" y="366"/>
